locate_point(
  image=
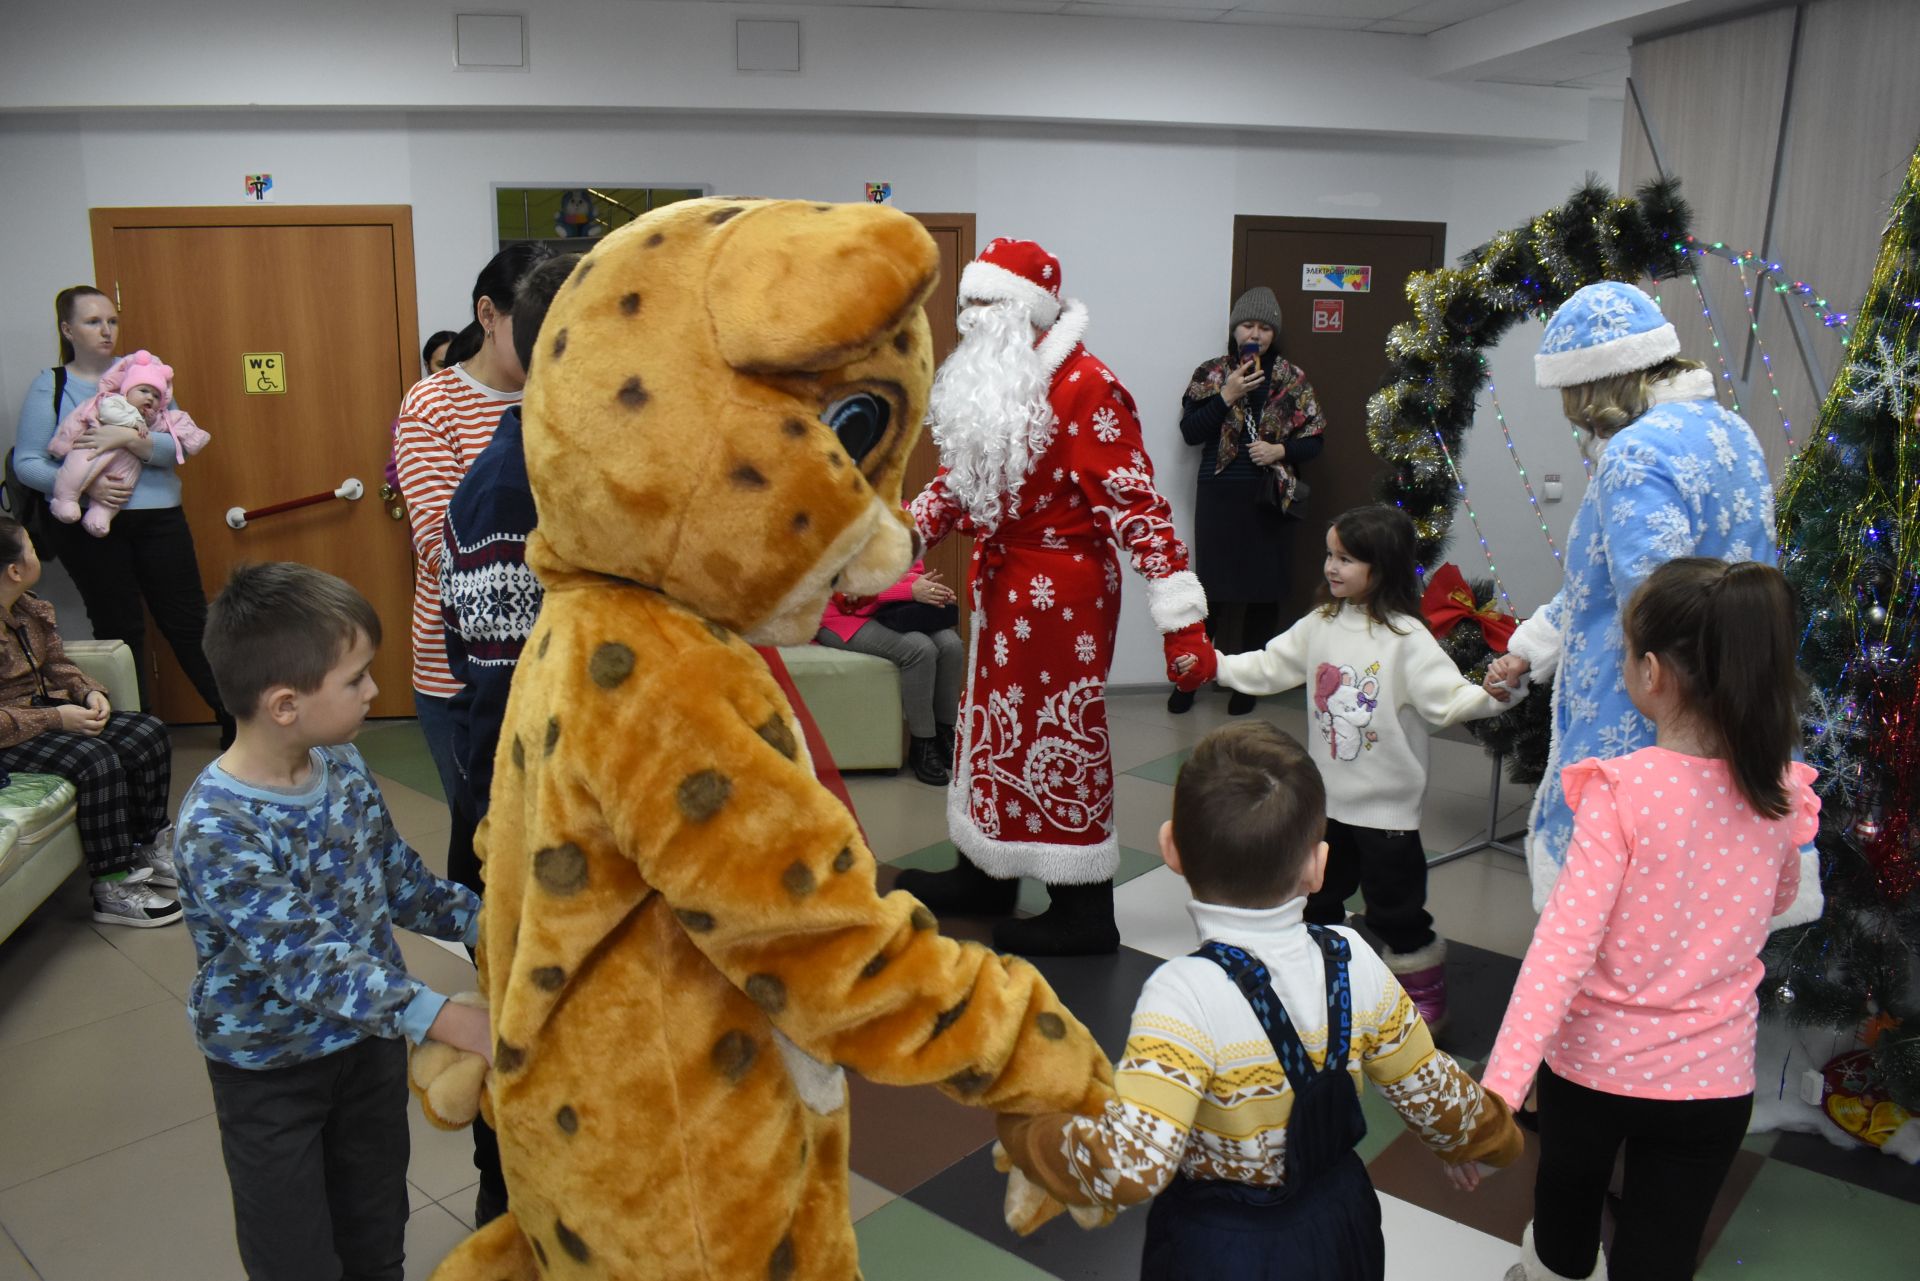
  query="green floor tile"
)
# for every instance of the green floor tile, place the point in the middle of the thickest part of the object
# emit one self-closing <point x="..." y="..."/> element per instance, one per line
<point x="1164" y="770"/>
<point x="1033" y="895"/>
<point x="398" y="750"/>
<point x="902" y="1242"/>
<point x="1793" y="1223"/>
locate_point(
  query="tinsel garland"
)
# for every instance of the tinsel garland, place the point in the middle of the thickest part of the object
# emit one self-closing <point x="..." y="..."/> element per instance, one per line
<point x="1435" y="368"/>
<point x="1850" y="526"/>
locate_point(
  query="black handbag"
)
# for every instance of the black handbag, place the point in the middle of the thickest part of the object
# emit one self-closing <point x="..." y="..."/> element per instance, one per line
<point x="914" y="616"/>
<point x="25" y="503"/>
<point x="1272" y="495"/>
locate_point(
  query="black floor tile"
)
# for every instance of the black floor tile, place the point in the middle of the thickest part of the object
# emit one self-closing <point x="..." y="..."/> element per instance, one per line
<point x="1101" y="990"/>
<point x="1862" y="1166"/>
<point x="971" y="1194"/>
<point x="1479" y="984"/>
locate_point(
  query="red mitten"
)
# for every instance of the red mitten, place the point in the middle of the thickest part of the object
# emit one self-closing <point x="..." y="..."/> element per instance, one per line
<point x="1190" y="642"/>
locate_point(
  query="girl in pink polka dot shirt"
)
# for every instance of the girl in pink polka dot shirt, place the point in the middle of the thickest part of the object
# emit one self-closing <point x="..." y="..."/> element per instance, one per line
<point x="1635" y="1004"/>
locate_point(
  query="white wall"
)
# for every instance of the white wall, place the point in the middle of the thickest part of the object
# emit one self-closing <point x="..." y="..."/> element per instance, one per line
<point x="1141" y="219"/>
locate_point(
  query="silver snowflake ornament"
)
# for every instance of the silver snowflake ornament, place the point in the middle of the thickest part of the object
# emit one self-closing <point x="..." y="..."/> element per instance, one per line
<point x="1886" y="378"/>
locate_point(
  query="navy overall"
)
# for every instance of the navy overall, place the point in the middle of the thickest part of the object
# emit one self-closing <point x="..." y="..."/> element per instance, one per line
<point x="1324" y="1221"/>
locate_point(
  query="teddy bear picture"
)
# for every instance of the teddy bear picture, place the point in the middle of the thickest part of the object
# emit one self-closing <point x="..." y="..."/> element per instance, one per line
<point x="1343" y="707"/>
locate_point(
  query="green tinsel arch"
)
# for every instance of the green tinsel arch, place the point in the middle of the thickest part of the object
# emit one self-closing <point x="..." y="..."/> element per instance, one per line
<point x="1435" y="369"/>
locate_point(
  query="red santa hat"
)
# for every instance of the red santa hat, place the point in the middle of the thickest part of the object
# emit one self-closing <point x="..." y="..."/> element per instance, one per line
<point x="1015" y="271"/>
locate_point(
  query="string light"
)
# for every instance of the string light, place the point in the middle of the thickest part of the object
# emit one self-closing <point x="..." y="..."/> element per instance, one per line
<point x="1740" y="262"/>
<point x="1513" y="453"/>
<point x="1799" y="291"/>
<point x="1460" y="484"/>
<point x="1733" y="392"/>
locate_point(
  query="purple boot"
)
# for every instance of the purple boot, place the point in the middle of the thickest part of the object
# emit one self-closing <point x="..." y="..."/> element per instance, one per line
<point x="1423" y="973"/>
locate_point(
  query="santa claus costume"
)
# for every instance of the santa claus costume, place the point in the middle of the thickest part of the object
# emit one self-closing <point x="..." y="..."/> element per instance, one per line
<point x="1043" y="464"/>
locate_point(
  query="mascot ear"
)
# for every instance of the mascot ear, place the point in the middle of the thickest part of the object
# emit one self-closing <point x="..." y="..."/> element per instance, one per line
<point x="794" y="297"/>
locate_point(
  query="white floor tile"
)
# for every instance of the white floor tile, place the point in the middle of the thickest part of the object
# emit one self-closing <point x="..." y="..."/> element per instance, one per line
<point x="442" y="1162"/>
<point x="898" y="812"/>
<point x="1485" y="904"/>
<point x="1151" y="911"/>
<point x="13" y="1264"/>
<point x="1424" y="1246"/>
<point x="83" y="1092"/>
<point x="461" y="1204"/>
<point x="56" y="973"/>
<point x="150" y="1211"/>
<point x="431" y="1232"/>
<point x="1140" y="806"/>
<point x="864" y="1196"/>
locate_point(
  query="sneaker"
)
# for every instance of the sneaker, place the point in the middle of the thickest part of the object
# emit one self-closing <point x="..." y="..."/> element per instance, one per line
<point x="133" y="902"/>
<point x="157" y="856"/>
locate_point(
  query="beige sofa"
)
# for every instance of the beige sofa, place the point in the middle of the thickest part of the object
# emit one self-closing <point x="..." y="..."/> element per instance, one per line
<point x="855" y="700"/>
<point x="39" y="844"/>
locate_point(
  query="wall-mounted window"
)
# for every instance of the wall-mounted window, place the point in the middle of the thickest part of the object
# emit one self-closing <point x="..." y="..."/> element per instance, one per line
<point x="575" y="213"/>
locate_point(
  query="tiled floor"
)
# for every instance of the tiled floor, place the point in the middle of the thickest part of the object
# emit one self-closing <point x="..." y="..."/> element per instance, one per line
<point x="110" y="1164"/>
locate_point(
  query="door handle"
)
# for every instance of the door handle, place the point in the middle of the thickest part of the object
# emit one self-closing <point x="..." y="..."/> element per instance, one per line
<point x="350" y="489"/>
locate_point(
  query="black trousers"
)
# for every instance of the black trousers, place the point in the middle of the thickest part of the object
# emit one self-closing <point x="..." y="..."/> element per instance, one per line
<point x="1390" y="871"/>
<point x="147" y="557"/>
<point x="1678" y="1155"/>
<point x="317" y="1156"/>
<point x="463" y="865"/>
<point x="1240" y="626"/>
<point x="121" y="777"/>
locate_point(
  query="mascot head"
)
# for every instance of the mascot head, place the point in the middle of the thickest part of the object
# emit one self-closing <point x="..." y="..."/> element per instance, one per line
<point x="722" y="402"/>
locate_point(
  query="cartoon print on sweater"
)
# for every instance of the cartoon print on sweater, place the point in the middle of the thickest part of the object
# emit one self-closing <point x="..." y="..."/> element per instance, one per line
<point x="683" y="947"/>
<point x="1344" y="702"/>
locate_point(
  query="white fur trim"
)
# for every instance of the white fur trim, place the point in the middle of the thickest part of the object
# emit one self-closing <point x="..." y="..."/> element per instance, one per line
<point x="1176" y="600"/>
<point x="989" y="282"/>
<point x="1423" y="958"/>
<point x="1905" y="1143"/>
<point x="1539" y="642"/>
<point x="821" y="1086"/>
<point x="1810" y="902"/>
<point x="1064" y="335"/>
<point x="1534" y="1270"/>
<point x="1053" y="864"/>
<point x="1621" y="356"/>
<point x="1688" y="384"/>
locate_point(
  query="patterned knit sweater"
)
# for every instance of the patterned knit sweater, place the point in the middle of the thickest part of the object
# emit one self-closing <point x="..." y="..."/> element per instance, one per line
<point x="292" y="899"/>
<point x="1201" y="1093"/>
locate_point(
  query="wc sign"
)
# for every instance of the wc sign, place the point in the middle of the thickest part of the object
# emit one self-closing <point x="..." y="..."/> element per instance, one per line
<point x="264" y="373"/>
<point x="1329" y="315"/>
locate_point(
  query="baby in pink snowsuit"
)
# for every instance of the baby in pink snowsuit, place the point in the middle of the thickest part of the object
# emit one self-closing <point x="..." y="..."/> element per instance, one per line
<point x="134" y="393"/>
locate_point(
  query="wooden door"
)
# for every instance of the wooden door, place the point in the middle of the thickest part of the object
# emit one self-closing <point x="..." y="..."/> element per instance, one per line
<point x="954" y="234"/>
<point x="1346" y="367"/>
<point x="329" y="291"/>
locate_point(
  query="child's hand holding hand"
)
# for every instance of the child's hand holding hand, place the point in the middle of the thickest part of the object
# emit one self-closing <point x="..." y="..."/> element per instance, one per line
<point x="1466" y="1176"/>
<point x="448" y="1070"/>
<point x="1191" y="660"/>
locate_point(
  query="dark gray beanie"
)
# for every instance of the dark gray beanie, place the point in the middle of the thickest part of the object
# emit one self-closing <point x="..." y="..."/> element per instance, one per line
<point x="1258" y="304"/>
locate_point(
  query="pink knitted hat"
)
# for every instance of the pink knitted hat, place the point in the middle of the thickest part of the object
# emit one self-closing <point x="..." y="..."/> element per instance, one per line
<point x="143" y="369"/>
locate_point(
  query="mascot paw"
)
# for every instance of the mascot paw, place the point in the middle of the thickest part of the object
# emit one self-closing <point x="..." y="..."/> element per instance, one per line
<point x="1028" y="1205"/>
<point x="448" y="1082"/>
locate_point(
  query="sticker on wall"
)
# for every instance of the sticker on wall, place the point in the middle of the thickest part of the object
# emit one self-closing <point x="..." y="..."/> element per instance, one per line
<point x="880" y="193"/>
<point x="1329" y="315"/>
<point x="1335" y="278"/>
<point x="260" y="187"/>
<point x="263" y="373"/>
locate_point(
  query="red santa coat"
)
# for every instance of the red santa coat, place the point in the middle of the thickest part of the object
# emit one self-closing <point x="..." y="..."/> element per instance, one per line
<point x="1032" y="790"/>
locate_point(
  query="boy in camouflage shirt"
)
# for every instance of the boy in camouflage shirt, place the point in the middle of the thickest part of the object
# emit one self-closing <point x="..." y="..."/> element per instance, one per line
<point x="293" y="879"/>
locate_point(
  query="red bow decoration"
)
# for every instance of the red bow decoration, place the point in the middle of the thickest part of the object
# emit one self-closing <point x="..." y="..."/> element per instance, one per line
<point x="1448" y="602"/>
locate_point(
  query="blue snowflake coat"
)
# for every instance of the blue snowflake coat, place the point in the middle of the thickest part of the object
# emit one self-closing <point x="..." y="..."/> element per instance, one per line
<point x="1687" y="478"/>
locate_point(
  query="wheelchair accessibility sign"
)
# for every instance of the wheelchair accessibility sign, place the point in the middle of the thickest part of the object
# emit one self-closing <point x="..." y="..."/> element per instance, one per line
<point x="264" y="373"/>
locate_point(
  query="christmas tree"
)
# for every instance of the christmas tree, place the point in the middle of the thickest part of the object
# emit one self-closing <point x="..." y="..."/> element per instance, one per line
<point x="1850" y="534"/>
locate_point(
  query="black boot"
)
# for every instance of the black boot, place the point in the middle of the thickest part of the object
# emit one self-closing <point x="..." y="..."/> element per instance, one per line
<point x="923" y="758"/>
<point x="1078" y="922"/>
<point x="943" y="735"/>
<point x="962" y="890"/>
<point x="1240" y="704"/>
<point x="1180" y="702"/>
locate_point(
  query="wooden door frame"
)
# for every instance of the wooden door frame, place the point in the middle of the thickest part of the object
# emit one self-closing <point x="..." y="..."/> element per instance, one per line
<point x="1243" y="224"/>
<point x="397" y="218"/>
<point x="954" y="554"/>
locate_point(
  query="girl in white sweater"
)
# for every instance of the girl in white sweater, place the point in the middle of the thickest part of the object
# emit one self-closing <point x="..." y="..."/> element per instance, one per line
<point x="1378" y="684"/>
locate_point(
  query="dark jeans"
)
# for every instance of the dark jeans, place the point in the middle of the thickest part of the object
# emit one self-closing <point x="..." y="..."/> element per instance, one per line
<point x="317" y="1156"/>
<point x="1390" y="871"/>
<point x="147" y="556"/>
<point x="1678" y="1155"/>
<point x="463" y="865"/>
<point x="436" y="724"/>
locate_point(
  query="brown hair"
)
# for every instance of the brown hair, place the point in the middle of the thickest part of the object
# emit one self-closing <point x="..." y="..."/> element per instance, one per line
<point x="281" y="624"/>
<point x="533" y="298"/>
<point x="1381" y="538"/>
<point x="63" y="305"/>
<point x="1605" y="405"/>
<point x="1727" y="633"/>
<point x="13" y="540"/>
<point x="1248" y="809"/>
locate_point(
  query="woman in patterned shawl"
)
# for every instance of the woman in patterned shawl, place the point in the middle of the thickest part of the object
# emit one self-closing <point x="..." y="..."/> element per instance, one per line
<point x="1677" y="475"/>
<point x="1255" y="419"/>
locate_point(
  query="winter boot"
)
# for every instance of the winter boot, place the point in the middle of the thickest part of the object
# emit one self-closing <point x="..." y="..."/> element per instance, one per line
<point x="1423" y="973"/>
<point x="1078" y="922"/>
<point x="923" y="758"/>
<point x="1240" y="704"/>
<point x="943" y="734"/>
<point x="1180" y="702"/>
<point x="1531" y="1269"/>
<point x="962" y="890"/>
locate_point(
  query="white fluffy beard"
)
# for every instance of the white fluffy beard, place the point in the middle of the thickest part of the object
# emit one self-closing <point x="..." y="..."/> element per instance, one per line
<point x="989" y="411"/>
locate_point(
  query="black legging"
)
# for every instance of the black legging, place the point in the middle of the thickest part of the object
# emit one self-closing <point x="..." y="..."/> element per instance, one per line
<point x="147" y="557"/>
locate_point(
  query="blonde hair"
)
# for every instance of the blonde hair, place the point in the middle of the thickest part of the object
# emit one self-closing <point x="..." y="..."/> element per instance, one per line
<point x="1605" y="405"/>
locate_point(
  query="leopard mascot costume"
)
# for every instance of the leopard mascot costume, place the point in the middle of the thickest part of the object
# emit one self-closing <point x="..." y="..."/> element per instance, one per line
<point x="683" y="945"/>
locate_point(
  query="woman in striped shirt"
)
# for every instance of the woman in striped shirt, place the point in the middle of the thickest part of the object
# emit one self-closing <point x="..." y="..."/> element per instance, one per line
<point x="445" y="421"/>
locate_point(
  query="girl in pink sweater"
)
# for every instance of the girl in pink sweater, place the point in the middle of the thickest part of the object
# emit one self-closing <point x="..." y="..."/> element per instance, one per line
<point x="1635" y="1004"/>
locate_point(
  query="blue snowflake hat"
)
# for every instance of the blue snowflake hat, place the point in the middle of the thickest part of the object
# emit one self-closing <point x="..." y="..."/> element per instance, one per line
<point x="1604" y="329"/>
